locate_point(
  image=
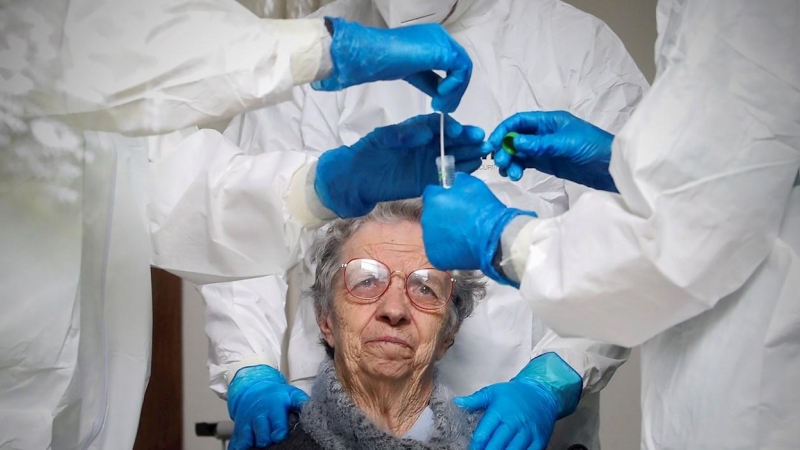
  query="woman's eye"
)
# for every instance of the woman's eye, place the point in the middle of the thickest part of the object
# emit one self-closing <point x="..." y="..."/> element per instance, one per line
<point x="366" y="283"/>
<point x="427" y="291"/>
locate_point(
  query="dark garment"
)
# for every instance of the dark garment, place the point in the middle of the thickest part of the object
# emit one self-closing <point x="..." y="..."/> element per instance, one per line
<point x="331" y="421"/>
<point x="297" y="439"/>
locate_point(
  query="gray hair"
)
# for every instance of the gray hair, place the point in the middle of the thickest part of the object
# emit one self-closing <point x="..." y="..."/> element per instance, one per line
<point x="326" y="254"/>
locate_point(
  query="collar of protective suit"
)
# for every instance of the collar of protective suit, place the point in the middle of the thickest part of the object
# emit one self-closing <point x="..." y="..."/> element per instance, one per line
<point x="466" y="13"/>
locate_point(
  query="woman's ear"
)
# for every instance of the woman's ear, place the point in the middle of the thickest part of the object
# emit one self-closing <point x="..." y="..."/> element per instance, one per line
<point x="326" y="328"/>
<point x="447" y="342"/>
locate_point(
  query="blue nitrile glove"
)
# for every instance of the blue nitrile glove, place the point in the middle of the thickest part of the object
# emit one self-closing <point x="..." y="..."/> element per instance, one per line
<point x="392" y="163"/>
<point x="521" y="413"/>
<point x="363" y="54"/>
<point x="461" y="226"/>
<point x="259" y="401"/>
<point x="556" y="143"/>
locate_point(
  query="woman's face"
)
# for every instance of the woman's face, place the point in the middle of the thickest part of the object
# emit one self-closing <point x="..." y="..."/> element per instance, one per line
<point x="390" y="337"/>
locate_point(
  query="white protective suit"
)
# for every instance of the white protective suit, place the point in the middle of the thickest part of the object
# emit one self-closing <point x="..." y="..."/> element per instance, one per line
<point x="543" y="55"/>
<point x="698" y="260"/>
<point x="74" y="265"/>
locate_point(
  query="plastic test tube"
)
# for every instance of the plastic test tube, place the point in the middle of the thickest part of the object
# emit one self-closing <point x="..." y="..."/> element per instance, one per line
<point x="445" y="164"/>
<point x="447" y="171"/>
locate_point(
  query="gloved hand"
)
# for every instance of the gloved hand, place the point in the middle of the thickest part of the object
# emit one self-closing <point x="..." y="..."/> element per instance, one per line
<point x="392" y="163"/>
<point x="259" y="401"/>
<point x="522" y="413"/>
<point x="462" y="225"/>
<point x="556" y="143"/>
<point x="362" y="54"/>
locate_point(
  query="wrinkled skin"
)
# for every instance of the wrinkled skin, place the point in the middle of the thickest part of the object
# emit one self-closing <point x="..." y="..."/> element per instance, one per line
<point x="384" y="351"/>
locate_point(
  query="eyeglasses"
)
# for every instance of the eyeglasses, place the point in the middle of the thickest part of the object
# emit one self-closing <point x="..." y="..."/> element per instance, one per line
<point x="367" y="279"/>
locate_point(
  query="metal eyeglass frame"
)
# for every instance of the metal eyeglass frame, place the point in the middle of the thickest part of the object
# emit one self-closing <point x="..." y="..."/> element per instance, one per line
<point x="405" y="284"/>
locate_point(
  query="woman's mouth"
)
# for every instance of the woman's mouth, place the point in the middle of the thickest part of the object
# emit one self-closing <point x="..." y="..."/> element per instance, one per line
<point x="391" y="340"/>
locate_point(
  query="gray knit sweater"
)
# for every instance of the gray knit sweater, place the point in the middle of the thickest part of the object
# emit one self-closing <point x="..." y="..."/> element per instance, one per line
<point x="331" y="421"/>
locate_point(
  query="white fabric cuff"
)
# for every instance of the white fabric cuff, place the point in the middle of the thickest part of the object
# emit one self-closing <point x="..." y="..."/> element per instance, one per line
<point x="231" y="369"/>
<point x="309" y="46"/>
<point x="326" y="62"/>
<point x="514" y="244"/>
<point x="302" y="201"/>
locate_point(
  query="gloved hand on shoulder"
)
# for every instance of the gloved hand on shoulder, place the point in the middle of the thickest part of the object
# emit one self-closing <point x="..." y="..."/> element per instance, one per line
<point x="259" y="401"/>
<point x="521" y="413"/>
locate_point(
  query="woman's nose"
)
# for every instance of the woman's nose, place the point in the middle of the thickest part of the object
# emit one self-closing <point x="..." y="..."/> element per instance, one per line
<point x="394" y="306"/>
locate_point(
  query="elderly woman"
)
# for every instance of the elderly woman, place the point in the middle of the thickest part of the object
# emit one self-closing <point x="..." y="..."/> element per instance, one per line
<point x="386" y="317"/>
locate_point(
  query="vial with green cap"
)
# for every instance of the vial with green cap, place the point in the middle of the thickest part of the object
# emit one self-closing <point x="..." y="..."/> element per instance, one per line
<point x="508" y="143"/>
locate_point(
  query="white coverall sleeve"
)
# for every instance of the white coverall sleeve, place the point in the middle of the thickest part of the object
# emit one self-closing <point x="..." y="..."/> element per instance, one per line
<point x="704" y="168"/>
<point x="218" y="214"/>
<point x="246" y="320"/>
<point x="244" y="204"/>
<point x="307" y="123"/>
<point x="153" y="66"/>
<point x="245" y="324"/>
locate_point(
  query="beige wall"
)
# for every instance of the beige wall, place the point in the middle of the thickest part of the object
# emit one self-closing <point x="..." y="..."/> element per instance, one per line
<point x="634" y="23"/>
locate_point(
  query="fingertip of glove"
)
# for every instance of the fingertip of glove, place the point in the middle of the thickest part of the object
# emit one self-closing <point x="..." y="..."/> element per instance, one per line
<point x="452" y="128"/>
<point x="279" y="435"/>
<point x="502" y="159"/>
<point x="320" y="85"/>
<point x="449" y="84"/>
<point x="479" y="441"/>
<point x="237" y="444"/>
<point x="442" y="105"/>
<point x="514" y="172"/>
<point x="497" y="135"/>
<point x="475" y="133"/>
<point x="472" y="403"/>
<point x="298" y="398"/>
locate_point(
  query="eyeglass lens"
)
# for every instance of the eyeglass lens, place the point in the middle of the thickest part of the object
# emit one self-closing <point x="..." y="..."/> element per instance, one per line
<point x="368" y="279"/>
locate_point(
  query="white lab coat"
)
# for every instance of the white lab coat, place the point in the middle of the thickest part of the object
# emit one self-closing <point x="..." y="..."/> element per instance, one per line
<point x="569" y="61"/>
<point x="74" y="264"/>
<point x="698" y="259"/>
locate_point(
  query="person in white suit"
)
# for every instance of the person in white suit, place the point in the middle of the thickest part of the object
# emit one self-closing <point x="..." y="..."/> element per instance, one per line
<point x="74" y="266"/>
<point x="697" y="258"/>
